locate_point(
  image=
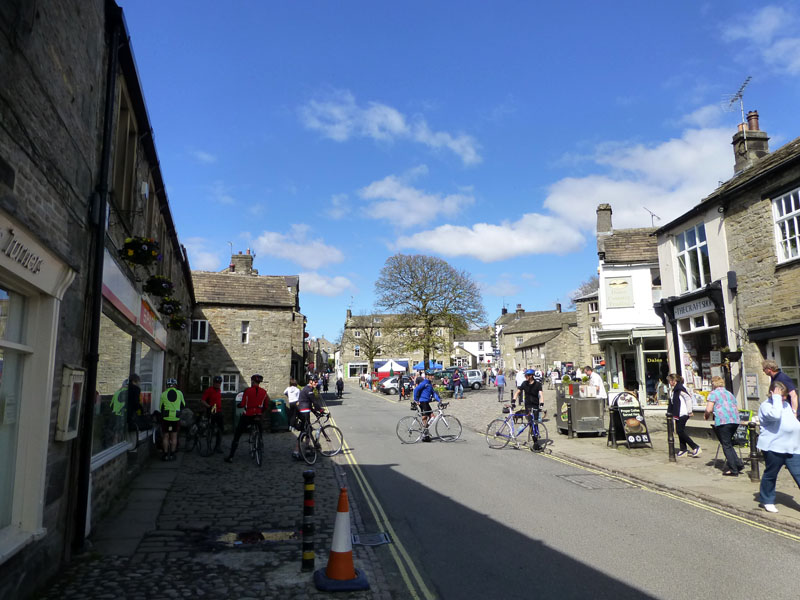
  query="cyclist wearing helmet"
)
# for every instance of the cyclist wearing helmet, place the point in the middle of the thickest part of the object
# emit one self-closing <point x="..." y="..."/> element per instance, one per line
<point x="533" y="394"/>
<point x="254" y="401"/>
<point x="172" y="403"/>
<point x="212" y="402"/>
<point x="306" y="400"/>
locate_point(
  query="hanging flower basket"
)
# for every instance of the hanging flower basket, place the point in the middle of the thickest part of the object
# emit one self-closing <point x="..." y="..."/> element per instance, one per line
<point x="169" y="306"/>
<point x="140" y="251"/>
<point x="177" y="322"/>
<point x="158" y="285"/>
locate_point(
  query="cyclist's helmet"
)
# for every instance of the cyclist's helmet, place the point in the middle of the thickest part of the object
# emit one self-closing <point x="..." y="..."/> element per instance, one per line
<point x="537" y="375"/>
<point x="257" y="378"/>
<point x="529" y="372"/>
<point x="125" y="383"/>
<point x="217" y="379"/>
<point x="172" y="382"/>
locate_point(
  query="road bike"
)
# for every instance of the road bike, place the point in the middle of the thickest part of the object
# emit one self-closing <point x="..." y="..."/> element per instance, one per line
<point x="446" y="427"/>
<point x="256" y="442"/>
<point x="197" y="436"/>
<point x="139" y="431"/>
<point x="502" y="431"/>
<point x="328" y="439"/>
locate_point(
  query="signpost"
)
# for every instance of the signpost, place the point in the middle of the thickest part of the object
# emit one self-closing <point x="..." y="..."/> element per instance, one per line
<point x="628" y="423"/>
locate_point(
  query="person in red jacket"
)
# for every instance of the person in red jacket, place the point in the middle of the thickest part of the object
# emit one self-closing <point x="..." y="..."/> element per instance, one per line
<point x="254" y="402"/>
<point x="212" y="402"/>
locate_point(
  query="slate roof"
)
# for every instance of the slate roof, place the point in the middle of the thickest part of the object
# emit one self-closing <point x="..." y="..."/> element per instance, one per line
<point x="237" y="289"/>
<point x="631" y="246"/>
<point x="538" y="340"/>
<point x="550" y="319"/>
<point x="479" y="335"/>
<point x="589" y="296"/>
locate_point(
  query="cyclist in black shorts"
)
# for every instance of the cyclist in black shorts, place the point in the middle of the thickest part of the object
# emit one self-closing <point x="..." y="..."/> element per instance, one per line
<point x="425" y="394"/>
<point x="531" y="388"/>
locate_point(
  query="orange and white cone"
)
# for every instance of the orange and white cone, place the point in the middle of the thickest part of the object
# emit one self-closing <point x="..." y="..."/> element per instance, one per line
<point x="340" y="574"/>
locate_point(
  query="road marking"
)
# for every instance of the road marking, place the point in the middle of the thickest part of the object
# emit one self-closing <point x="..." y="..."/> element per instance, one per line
<point x="396" y="549"/>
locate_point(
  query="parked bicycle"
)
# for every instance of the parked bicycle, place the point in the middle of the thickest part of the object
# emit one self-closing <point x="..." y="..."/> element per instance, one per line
<point x="446" y="427"/>
<point x="139" y="431"/>
<point x="201" y="435"/>
<point x="501" y="432"/>
<point x="319" y="436"/>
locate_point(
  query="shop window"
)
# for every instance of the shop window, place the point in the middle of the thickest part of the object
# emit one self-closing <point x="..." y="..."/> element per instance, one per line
<point x="205" y="382"/>
<point x="111" y="401"/>
<point x="655" y="344"/>
<point x="199" y="330"/>
<point x="694" y="268"/>
<point x="245" y="332"/>
<point x="150" y="360"/>
<point x="785" y="211"/>
<point x="230" y="383"/>
<point x="788" y="358"/>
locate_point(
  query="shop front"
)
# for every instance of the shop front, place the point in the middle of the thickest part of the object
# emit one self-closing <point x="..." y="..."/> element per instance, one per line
<point x="636" y="362"/>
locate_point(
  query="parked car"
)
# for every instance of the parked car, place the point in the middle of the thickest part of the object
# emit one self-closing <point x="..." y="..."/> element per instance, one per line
<point x="391" y="385"/>
<point x="474" y="379"/>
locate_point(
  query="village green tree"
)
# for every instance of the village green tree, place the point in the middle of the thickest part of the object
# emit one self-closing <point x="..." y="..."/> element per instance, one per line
<point x="426" y="295"/>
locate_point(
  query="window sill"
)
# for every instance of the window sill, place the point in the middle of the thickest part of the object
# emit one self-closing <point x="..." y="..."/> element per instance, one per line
<point x="792" y="262"/>
<point x="14" y="539"/>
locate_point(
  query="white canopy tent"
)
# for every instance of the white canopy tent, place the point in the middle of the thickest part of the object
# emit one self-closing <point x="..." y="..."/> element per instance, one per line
<point x="391" y="365"/>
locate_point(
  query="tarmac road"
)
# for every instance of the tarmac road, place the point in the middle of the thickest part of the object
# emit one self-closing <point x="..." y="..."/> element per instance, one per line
<point x="482" y="523"/>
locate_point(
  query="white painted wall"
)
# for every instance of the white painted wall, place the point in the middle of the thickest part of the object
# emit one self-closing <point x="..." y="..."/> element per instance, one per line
<point x="642" y="313"/>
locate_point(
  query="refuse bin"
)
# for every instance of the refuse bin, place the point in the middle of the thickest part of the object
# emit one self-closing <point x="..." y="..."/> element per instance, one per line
<point x="588" y="413"/>
<point x="279" y="417"/>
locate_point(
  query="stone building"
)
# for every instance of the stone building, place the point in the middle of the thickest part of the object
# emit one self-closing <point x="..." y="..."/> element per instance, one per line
<point x="477" y="343"/>
<point x="521" y="326"/>
<point x="741" y="291"/>
<point x="545" y="351"/>
<point x="246" y="323"/>
<point x="587" y="309"/>
<point x="79" y="175"/>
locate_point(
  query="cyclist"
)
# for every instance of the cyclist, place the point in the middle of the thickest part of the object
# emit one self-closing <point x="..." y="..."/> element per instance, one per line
<point x="307" y="400"/>
<point x="254" y="401"/>
<point x="425" y="394"/>
<point x="212" y="402"/>
<point x="172" y="403"/>
<point x="533" y="397"/>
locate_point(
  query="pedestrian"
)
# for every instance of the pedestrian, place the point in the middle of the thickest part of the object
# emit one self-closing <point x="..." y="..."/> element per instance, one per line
<point x="500" y="382"/>
<point x="292" y="393"/>
<point x="172" y="403"/>
<point x="779" y="441"/>
<point x="492" y="376"/>
<point x="458" y="388"/>
<point x="519" y="379"/>
<point x="680" y="408"/>
<point x="254" y="401"/>
<point x="339" y="387"/>
<point x="773" y="371"/>
<point x="596" y="381"/>
<point x="212" y="402"/>
<point x="306" y="400"/>
<point x="723" y="407"/>
<point x="484" y="377"/>
<point x="325" y="383"/>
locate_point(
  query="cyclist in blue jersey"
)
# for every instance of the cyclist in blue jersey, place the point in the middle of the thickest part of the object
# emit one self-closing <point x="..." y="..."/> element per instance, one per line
<point x="425" y="394"/>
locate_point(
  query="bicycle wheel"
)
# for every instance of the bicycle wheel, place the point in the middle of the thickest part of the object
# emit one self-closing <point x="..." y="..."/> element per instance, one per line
<point x="330" y="440"/>
<point x="191" y="438"/>
<point x="307" y="450"/>
<point x="409" y="430"/>
<point x="542" y="441"/>
<point x="205" y="440"/>
<point x="259" y="449"/>
<point x="448" y="428"/>
<point x="156" y="435"/>
<point x="498" y="434"/>
<point x="133" y="436"/>
<point x="252" y="441"/>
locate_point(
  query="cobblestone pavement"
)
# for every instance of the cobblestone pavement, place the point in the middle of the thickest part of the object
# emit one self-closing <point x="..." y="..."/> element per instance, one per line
<point x="185" y="557"/>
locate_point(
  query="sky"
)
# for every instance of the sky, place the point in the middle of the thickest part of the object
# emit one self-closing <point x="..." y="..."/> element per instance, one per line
<point x="329" y="136"/>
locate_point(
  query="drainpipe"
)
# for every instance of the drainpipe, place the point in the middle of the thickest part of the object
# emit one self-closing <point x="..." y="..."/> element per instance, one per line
<point x="99" y="204"/>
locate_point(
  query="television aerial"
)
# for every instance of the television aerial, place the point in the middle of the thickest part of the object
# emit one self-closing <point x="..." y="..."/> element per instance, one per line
<point x="653" y="216"/>
<point x="729" y="105"/>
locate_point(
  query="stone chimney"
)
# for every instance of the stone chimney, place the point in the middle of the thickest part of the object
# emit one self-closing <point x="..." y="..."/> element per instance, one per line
<point x="749" y="144"/>
<point x="504" y="311"/>
<point x="349" y="314"/>
<point x="558" y="306"/>
<point x="604" y="228"/>
<point x="243" y="263"/>
<point x="519" y="312"/>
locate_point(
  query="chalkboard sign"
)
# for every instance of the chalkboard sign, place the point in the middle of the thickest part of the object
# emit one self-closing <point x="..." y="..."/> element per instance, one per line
<point x="742" y="435"/>
<point x="628" y="424"/>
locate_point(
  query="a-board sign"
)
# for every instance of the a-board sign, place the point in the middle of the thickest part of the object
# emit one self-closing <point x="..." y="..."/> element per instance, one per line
<point x="629" y="425"/>
<point x="742" y="435"/>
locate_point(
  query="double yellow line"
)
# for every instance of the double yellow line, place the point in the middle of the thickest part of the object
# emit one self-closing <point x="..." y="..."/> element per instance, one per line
<point x="411" y="576"/>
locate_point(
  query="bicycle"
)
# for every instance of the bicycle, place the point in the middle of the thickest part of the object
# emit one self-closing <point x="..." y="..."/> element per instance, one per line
<point x="447" y="427"/>
<point x="328" y="439"/>
<point x="256" y="442"/>
<point x="502" y="431"/>
<point x="197" y="436"/>
<point x="136" y="427"/>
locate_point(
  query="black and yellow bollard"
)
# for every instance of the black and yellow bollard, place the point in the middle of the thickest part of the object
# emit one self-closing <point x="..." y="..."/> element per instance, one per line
<point x="754" y="474"/>
<point x="671" y="438"/>
<point x="308" y="523"/>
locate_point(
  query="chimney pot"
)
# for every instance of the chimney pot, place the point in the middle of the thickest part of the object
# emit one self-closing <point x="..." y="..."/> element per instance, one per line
<point x="248" y="251"/>
<point x="752" y="120"/>
<point x="519" y="306"/>
<point x="240" y="251"/>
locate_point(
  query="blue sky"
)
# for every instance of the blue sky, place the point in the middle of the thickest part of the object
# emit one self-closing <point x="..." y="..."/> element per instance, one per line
<point x="328" y="136"/>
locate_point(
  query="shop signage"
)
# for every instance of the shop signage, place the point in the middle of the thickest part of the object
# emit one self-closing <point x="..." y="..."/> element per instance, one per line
<point x="629" y="421"/>
<point x="147" y="319"/>
<point x="695" y="307"/>
<point x="742" y="435"/>
<point x="619" y="292"/>
<point x="22" y="254"/>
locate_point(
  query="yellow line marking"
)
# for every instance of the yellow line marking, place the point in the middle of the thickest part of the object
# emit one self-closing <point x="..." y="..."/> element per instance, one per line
<point x="396" y="548"/>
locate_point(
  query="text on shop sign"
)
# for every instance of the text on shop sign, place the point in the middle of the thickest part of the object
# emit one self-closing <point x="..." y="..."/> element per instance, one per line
<point x="693" y="308"/>
<point x="19" y="252"/>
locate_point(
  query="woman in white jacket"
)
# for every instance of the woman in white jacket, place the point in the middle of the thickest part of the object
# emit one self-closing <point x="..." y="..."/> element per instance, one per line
<point x="779" y="440"/>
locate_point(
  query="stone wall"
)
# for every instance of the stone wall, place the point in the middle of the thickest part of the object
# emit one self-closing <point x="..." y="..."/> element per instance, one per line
<point x="586" y="349"/>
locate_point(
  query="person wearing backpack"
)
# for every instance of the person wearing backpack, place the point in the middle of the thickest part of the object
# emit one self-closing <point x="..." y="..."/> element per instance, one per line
<point x="680" y="408"/>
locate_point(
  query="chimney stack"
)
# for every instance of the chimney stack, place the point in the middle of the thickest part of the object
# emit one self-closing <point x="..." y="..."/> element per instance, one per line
<point x="349" y="314"/>
<point x="242" y="263"/>
<point x="558" y="306"/>
<point x="504" y="311"/>
<point x="749" y="144"/>
<point x="604" y="228"/>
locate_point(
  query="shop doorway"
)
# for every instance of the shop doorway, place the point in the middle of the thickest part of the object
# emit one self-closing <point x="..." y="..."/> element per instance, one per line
<point x="630" y="380"/>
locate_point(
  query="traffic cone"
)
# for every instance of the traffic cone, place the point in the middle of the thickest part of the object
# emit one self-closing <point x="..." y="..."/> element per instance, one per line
<point x="341" y="575"/>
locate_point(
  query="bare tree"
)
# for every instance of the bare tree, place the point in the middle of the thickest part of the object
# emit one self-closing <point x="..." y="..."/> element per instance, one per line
<point x="366" y="332"/>
<point x="427" y="295"/>
<point x="587" y="287"/>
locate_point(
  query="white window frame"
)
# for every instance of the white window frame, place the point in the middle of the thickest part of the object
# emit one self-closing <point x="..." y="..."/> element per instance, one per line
<point x="356" y="350"/>
<point x="205" y="382"/>
<point x="357" y="334"/>
<point x="594" y="307"/>
<point x="377" y="333"/>
<point x="196" y="337"/>
<point x="596" y="360"/>
<point x="480" y="346"/>
<point x="683" y="259"/>
<point x="230" y="383"/>
<point x="245" y="332"/>
<point x="593" y="334"/>
<point x="786" y="221"/>
<point x="518" y="340"/>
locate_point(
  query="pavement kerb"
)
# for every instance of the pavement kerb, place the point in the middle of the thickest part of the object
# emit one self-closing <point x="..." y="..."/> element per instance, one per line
<point x="752" y="515"/>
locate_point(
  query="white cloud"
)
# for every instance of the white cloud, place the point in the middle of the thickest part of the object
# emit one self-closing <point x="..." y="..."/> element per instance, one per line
<point x="405" y="205"/>
<point x="322" y="285"/>
<point x="340" y="118"/>
<point x="338" y="207"/>
<point x="220" y="193"/>
<point x="705" y="116"/>
<point x="532" y="234"/>
<point x="200" y="258"/>
<point x="298" y="248"/>
<point x="668" y="178"/>
<point x="771" y="32"/>
<point x="204" y="157"/>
